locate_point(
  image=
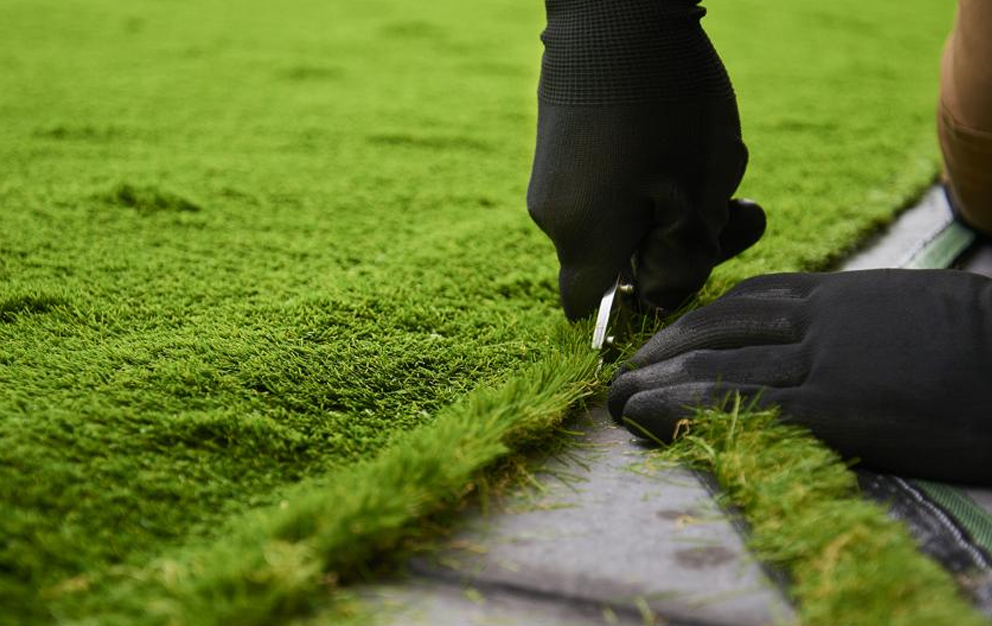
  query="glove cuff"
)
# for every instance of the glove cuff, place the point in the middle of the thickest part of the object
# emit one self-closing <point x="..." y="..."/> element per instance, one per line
<point x="627" y="52"/>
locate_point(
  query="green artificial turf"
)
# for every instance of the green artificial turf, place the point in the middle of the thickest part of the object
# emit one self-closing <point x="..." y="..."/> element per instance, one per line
<point x="276" y="561"/>
<point x="244" y="248"/>
<point x="848" y="562"/>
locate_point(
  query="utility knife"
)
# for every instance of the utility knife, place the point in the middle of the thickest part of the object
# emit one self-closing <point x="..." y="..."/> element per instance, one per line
<point x="613" y="318"/>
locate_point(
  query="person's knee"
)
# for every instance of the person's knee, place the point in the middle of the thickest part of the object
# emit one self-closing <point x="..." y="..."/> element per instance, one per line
<point x="965" y="115"/>
<point x="967" y="171"/>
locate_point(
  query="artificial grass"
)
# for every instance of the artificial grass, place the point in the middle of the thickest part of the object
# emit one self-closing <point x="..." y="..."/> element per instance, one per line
<point x="848" y="562"/>
<point x="245" y="249"/>
<point x="274" y="562"/>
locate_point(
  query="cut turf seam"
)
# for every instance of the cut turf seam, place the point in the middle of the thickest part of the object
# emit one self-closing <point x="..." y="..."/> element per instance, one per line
<point x="280" y="560"/>
<point x="848" y="562"/>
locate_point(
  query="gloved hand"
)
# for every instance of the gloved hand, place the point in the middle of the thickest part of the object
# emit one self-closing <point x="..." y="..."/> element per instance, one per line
<point x="638" y="151"/>
<point x="892" y="367"/>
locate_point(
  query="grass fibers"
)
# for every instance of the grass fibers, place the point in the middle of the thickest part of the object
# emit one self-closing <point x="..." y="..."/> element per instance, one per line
<point x="272" y="563"/>
<point x="849" y="564"/>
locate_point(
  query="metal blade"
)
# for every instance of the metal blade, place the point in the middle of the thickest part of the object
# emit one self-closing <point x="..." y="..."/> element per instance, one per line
<point x="603" y="317"/>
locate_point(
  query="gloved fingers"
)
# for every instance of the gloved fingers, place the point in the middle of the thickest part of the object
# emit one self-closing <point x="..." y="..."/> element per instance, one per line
<point x="890" y="441"/>
<point x="582" y="284"/>
<point x="771" y="366"/>
<point x="889" y="445"/>
<point x="697" y="225"/>
<point x="593" y="246"/>
<point x="726" y="324"/>
<point x="594" y="219"/>
<point x="678" y="252"/>
<point x="745" y="225"/>
<point x="785" y="286"/>
<point x="657" y="413"/>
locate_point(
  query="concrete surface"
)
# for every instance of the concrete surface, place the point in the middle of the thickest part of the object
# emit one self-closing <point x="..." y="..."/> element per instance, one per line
<point x="436" y="604"/>
<point x="923" y="236"/>
<point x="609" y="535"/>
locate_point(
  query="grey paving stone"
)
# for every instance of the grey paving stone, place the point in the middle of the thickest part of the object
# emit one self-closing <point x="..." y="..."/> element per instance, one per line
<point x="430" y="603"/>
<point x="914" y="228"/>
<point x="609" y="528"/>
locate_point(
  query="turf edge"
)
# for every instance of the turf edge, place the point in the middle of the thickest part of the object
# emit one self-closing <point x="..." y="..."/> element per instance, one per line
<point x="278" y="562"/>
<point x="849" y="564"/>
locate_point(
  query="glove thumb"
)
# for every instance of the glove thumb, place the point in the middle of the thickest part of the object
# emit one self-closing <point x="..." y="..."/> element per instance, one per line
<point x="676" y="257"/>
<point x="745" y="225"/>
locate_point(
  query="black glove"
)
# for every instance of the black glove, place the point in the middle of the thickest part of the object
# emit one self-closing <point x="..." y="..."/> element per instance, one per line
<point x="638" y="151"/>
<point x="892" y="367"/>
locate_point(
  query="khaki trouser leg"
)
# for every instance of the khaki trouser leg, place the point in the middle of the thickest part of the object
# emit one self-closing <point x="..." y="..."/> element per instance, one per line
<point x="964" y="117"/>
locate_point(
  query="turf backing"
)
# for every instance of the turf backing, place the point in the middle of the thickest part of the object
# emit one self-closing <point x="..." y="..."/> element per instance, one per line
<point x="246" y="247"/>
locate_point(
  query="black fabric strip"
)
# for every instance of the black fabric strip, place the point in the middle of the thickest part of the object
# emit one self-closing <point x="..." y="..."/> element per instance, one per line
<point x="937" y="534"/>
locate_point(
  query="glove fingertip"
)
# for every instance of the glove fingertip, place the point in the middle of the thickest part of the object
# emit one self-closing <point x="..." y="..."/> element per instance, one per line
<point x="660" y="428"/>
<point x="582" y="290"/>
<point x="621" y="389"/>
<point x="746" y="224"/>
